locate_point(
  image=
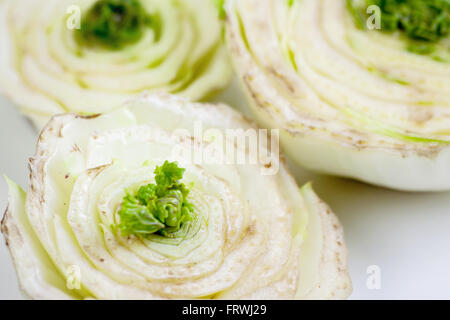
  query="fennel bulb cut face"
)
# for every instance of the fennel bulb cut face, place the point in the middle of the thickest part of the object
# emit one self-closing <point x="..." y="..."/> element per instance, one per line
<point x="248" y="235"/>
<point x="89" y="56"/>
<point x="372" y="105"/>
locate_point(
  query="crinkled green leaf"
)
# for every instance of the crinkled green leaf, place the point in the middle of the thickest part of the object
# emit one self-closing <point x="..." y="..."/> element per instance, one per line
<point x="162" y="207"/>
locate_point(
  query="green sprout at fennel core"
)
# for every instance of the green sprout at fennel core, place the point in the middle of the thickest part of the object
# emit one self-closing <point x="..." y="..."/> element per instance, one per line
<point x="113" y="24"/>
<point x="157" y="208"/>
<point x="422" y="21"/>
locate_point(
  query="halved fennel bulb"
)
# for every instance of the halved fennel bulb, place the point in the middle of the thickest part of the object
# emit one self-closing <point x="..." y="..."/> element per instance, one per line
<point x="46" y="70"/>
<point x="256" y="235"/>
<point x="350" y="102"/>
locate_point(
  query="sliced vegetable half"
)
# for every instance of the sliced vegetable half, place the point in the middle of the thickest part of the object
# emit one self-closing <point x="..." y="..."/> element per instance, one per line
<point x="113" y="211"/>
<point x="360" y="89"/>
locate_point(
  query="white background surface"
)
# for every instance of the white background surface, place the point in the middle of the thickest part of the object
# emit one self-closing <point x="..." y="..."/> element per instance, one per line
<point x="406" y="234"/>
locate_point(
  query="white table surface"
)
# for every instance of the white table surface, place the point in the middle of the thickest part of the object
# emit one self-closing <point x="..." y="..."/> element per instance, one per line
<point x="407" y="235"/>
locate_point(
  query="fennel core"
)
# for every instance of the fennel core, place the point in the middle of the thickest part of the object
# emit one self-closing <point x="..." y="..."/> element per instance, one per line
<point x="160" y="208"/>
<point x="113" y="24"/>
<point x="423" y="23"/>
